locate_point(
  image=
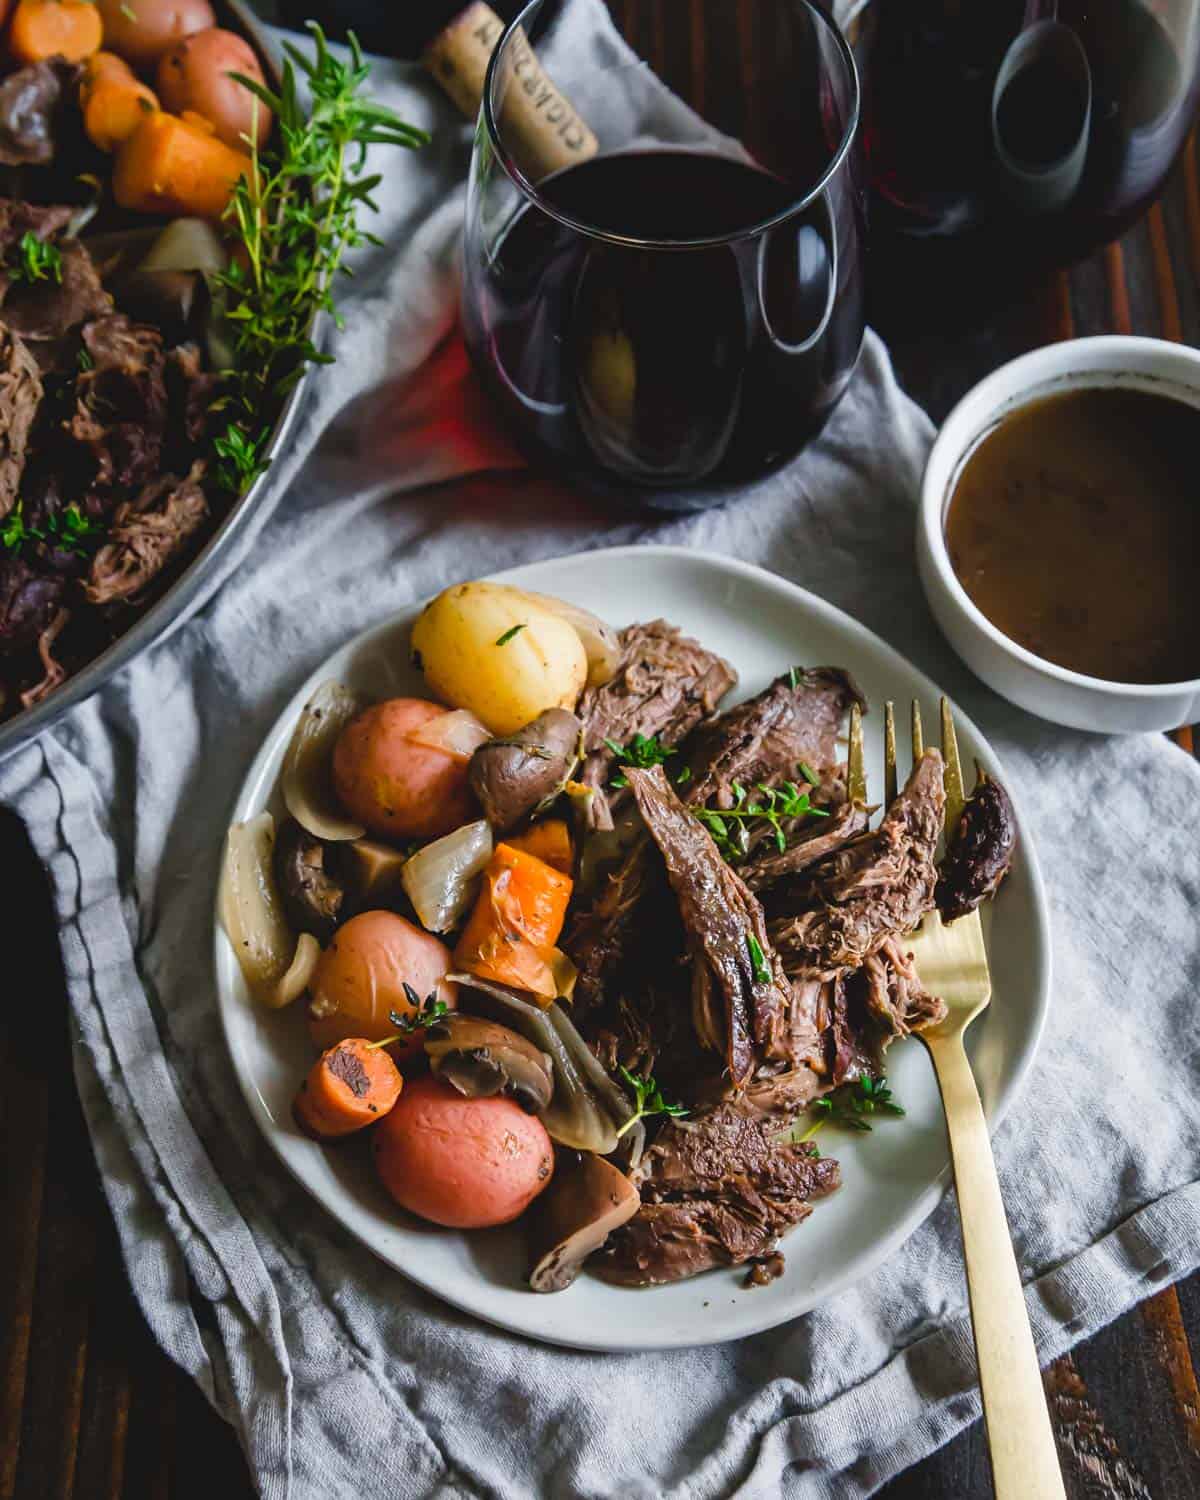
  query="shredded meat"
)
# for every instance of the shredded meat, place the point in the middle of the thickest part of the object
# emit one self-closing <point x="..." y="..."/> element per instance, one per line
<point x="53" y="671"/>
<point x="764" y="740"/>
<point x="879" y="884"/>
<point x="665" y="685"/>
<point x="980" y="853"/>
<point x="768" y="864"/>
<point x="147" y="533"/>
<point x="28" y="602"/>
<point x="20" y="397"/>
<point x="45" y="312"/>
<point x="717" y="1190"/>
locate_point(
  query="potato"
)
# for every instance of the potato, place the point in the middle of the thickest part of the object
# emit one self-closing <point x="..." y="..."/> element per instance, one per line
<point x="398" y="789"/>
<point x="360" y="977"/>
<point x="141" y="30"/>
<point x="494" y="650"/>
<point x="195" y="74"/>
<point x="465" y="1163"/>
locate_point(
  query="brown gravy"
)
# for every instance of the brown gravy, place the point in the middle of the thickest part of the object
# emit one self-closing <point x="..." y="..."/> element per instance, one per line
<point x="1075" y="527"/>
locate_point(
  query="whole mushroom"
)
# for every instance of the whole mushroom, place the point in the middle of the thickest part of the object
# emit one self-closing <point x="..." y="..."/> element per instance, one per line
<point x="481" y="1058"/>
<point x="515" y="775"/>
<point x="585" y="1202"/>
<point x="312" y="898"/>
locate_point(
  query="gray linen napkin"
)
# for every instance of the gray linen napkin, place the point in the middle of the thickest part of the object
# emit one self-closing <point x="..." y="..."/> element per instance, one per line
<point x="342" y="1379"/>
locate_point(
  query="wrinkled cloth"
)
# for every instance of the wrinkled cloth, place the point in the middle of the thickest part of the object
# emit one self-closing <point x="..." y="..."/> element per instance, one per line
<point x="341" y="1378"/>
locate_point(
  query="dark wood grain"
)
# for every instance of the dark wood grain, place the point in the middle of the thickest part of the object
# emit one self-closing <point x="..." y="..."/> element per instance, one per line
<point x="90" y="1409"/>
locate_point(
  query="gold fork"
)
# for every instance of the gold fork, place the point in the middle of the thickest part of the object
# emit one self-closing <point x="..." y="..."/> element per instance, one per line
<point x="952" y="963"/>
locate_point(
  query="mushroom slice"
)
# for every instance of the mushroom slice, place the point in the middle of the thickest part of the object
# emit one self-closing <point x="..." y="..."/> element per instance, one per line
<point x="577" y="1115"/>
<point x="251" y="912"/>
<point x="601" y="644"/>
<point x="481" y="1058"/>
<point x="307" y="776"/>
<point x="525" y="772"/>
<point x="312" y="899"/>
<point x="582" y="1206"/>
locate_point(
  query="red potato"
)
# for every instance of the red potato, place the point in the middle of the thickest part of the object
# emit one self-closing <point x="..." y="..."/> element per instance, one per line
<point x="141" y="30"/>
<point x="465" y="1163"/>
<point x="360" y="978"/>
<point x="398" y="789"/>
<point x="196" y="73"/>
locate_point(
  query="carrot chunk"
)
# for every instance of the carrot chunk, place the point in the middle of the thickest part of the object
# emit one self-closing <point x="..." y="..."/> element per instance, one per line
<point x="349" y="1087"/>
<point x="510" y="935"/>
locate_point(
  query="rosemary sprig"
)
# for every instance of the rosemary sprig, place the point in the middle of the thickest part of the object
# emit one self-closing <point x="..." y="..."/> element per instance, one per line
<point x="297" y="216"/>
<point x="648" y="1099"/>
<point x="731" y="827"/>
<point x="850" y="1105"/>
<point x="33" y="260"/>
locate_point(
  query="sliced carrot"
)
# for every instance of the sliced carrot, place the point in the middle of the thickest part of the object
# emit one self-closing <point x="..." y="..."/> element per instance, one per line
<point x="549" y="841"/>
<point x="350" y="1086"/>
<point x="54" y="28"/>
<point x="510" y="935"/>
<point x="103" y="65"/>
<point x="170" y="166"/>
<point x="114" y="108"/>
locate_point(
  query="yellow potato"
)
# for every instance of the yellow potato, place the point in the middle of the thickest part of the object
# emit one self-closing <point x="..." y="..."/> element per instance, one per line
<point x="496" y="651"/>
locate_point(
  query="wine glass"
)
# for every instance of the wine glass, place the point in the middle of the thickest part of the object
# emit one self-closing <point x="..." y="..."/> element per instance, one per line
<point x="664" y="246"/>
<point x="1010" y="136"/>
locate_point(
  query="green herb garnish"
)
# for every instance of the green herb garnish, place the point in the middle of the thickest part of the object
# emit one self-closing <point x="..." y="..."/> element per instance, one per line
<point x="793" y="678"/>
<point x="35" y="260"/>
<point x="850" y="1105"/>
<point x="424" y="1014"/>
<point x="84" y="360"/>
<point x="642" y="752"/>
<point x="649" y="1099"/>
<point x="808" y="773"/>
<point x="731" y="827"/>
<point x="66" y="531"/>
<point x="758" y="960"/>
<point x="503" y="640"/>
<point x="297" y="216"/>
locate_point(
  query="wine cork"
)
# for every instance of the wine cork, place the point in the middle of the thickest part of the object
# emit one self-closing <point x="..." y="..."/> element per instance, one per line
<point x="541" y="128"/>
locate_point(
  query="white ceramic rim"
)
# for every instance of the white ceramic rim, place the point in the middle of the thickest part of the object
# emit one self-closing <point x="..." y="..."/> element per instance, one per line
<point x="1041" y="373"/>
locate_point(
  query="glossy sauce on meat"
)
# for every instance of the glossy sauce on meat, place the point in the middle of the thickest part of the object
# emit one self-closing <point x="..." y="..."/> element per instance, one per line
<point x="1074" y="526"/>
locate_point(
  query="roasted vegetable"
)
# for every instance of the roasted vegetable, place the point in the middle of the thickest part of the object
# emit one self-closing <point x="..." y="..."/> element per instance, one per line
<point x="397" y="786"/>
<point x="481" y="1058"/>
<point x="41" y="29"/>
<point x="197" y="73"/>
<point x="442" y="879"/>
<point x="517" y="919"/>
<point x="276" y="966"/>
<point x="176" y="166"/>
<point x="514" y="776"/>
<point x="142" y="30"/>
<point x="465" y="1163"/>
<point x="113" y="101"/>
<point x="312" y="898"/>
<point x="498" y="652"/>
<point x="307" y="777"/>
<point x="377" y="967"/>
<point x="587" y="1200"/>
<point x="351" y="1085"/>
<point x="548" y="840"/>
<point x="980" y="852"/>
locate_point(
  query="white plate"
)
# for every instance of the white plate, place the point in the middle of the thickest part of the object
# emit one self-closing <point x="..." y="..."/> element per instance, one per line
<point x="892" y="1178"/>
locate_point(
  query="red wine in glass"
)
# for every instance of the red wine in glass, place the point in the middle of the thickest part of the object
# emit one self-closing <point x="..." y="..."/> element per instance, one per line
<point x="1006" y="137"/>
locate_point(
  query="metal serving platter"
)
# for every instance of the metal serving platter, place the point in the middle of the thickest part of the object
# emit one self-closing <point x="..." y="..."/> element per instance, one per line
<point x="193" y="587"/>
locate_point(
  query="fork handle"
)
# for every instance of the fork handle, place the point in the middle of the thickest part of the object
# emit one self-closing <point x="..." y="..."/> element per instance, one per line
<point x="1020" y="1439"/>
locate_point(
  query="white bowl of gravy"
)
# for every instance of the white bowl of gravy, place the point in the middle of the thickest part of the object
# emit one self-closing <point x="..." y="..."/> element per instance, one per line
<point x="1059" y="533"/>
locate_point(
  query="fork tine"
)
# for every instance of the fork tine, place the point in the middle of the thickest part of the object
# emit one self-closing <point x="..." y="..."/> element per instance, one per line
<point x="889" y="753"/>
<point x="952" y="775"/>
<point x="856" y="776"/>
<point x="918" y="738"/>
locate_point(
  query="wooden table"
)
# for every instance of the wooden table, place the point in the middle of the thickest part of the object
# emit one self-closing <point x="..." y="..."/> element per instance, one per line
<point x="89" y="1407"/>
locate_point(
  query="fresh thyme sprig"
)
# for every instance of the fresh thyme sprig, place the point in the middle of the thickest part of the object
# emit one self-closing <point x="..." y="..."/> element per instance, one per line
<point x="642" y="752"/>
<point x="731" y="827"/>
<point x="648" y="1098"/>
<point x="424" y="1013"/>
<point x="297" y="216"/>
<point x="66" y="531"/>
<point x="758" y="960"/>
<point x="33" y="260"/>
<point x="850" y="1105"/>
